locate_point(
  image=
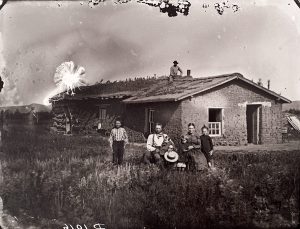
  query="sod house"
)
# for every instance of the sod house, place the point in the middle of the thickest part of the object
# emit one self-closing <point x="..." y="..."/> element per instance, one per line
<point x="236" y="110"/>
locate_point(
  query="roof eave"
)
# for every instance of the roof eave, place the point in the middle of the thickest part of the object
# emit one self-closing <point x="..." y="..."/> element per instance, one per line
<point x="149" y="101"/>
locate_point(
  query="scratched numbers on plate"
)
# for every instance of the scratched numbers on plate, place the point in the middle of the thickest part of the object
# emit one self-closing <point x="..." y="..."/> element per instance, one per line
<point x="78" y="226"/>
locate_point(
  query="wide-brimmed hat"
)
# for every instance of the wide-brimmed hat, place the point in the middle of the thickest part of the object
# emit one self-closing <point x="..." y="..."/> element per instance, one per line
<point x="175" y="62"/>
<point x="171" y="156"/>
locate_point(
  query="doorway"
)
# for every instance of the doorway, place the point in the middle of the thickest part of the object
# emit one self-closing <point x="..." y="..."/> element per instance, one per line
<point x="253" y="115"/>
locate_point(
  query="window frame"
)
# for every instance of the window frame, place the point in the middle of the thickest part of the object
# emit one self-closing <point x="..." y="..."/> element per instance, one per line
<point x="102" y="115"/>
<point x="216" y="126"/>
<point x="149" y="120"/>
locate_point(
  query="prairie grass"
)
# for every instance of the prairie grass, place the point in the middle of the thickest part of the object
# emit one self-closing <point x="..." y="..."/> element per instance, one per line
<point x="56" y="179"/>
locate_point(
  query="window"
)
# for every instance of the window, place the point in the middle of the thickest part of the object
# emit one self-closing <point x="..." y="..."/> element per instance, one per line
<point x="102" y="113"/>
<point x="215" y="121"/>
<point x="150" y="120"/>
<point x="214" y="128"/>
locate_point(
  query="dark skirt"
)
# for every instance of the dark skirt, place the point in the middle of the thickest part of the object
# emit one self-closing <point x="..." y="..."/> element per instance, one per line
<point x="196" y="160"/>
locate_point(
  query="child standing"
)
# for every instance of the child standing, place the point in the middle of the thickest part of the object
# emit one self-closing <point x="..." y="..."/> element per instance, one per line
<point x="183" y="148"/>
<point x="184" y="152"/>
<point x="207" y="145"/>
<point x="118" y="139"/>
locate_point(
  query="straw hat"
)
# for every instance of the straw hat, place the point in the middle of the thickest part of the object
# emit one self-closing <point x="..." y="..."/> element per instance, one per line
<point x="171" y="156"/>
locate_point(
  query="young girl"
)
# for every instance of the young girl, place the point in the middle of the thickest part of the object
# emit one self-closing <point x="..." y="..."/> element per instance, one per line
<point x="183" y="148"/>
<point x="207" y="146"/>
<point x="184" y="152"/>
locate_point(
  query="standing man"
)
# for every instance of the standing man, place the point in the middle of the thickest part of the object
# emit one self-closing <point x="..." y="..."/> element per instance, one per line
<point x="174" y="70"/>
<point x="118" y="139"/>
<point x="157" y="145"/>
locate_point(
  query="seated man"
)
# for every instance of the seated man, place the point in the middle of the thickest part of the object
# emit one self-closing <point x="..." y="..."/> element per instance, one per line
<point x="157" y="145"/>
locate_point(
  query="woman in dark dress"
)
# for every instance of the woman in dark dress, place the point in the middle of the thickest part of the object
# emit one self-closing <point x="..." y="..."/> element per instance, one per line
<point x="196" y="160"/>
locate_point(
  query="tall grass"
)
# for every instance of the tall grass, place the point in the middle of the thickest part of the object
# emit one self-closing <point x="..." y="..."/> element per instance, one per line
<point x="70" y="179"/>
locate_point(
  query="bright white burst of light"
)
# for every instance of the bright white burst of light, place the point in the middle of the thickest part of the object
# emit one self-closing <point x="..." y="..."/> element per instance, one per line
<point x="68" y="77"/>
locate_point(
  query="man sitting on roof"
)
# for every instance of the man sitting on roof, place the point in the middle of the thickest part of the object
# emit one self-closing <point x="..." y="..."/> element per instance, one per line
<point x="174" y="70"/>
<point x="157" y="145"/>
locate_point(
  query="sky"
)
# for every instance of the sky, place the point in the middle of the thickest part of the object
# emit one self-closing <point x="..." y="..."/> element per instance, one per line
<point x="260" y="40"/>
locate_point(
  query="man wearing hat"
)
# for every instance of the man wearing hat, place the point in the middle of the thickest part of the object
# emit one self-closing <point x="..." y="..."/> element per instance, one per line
<point x="174" y="70"/>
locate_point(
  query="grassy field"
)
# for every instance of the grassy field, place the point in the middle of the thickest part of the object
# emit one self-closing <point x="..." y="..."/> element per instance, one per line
<point x="52" y="180"/>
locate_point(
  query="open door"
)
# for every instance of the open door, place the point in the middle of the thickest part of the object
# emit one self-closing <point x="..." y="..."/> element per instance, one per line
<point x="253" y="114"/>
